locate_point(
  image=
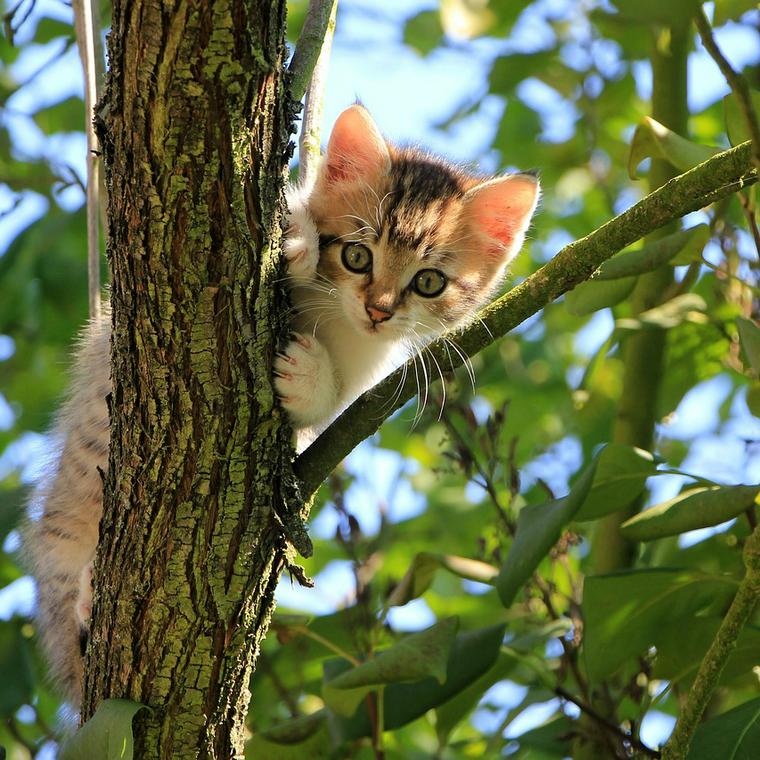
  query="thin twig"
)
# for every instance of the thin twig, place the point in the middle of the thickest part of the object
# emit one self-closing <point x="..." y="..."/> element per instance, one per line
<point x="86" y="32"/>
<point x="634" y="741"/>
<point x="735" y="80"/>
<point x="717" y="177"/>
<point x="310" y="44"/>
<point x="311" y="123"/>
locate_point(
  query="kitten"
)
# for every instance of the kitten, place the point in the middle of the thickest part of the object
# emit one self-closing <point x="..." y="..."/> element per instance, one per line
<point x="389" y="248"/>
<point x="409" y="246"/>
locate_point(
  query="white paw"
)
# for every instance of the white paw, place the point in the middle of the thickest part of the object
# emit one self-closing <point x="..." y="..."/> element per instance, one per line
<point x="305" y="381"/>
<point x="84" y="600"/>
<point x="301" y="244"/>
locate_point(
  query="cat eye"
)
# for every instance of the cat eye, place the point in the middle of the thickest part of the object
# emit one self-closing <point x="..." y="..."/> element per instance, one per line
<point x="357" y="258"/>
<point x="429" y="282"/>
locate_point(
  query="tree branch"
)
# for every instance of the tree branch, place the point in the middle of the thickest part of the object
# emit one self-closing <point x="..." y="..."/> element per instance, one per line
<point x="91" y="54"/>
<point x="736" y="82"/>
<point x="717" y="655"/>
<point x="316" y="28"/>
<point x="311" y="124"/>
<point x="716" y="178"/>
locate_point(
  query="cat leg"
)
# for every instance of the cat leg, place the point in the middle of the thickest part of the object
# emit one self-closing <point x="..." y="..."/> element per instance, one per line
<point x="301" y="244"/>
<point x="305" y="381"/>
<point x="83" y="606"/>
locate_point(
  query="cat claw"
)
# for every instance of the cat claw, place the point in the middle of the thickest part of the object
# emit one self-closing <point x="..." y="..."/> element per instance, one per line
<point x="304" y="380"/>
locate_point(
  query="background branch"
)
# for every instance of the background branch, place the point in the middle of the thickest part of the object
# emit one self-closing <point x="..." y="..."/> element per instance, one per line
<point x="319" y="18"/>
<point x="87" y="27"/>
<point x="311" y="124"/>
<point x="717" y="177"/>
<point x="736" y="81"/>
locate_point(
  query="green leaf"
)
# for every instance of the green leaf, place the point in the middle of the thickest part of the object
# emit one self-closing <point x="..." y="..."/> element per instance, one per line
<point x="419" y="576"/>
<point x="749" y="334"/>
<point x="736" y="125"/>
<point x="679" y="656"/>
<point x="107" y="735"/>
<point x="735" y="735"/>
<point x="624" y="612"/>
<point x="64" y="116"/>
<point x="620" y="477"/>
<point x="592" y="295"/>
<point x="656" y="11"/>
<point x="424" y="32"/>
<point x="306" y="736"/>
<point x="683" y="308"/>
<point x="415" y="657"/>
<point x="551" y="737"/>
<point x="692" y="509"/>
<point x="753" y="399"/>
<point x="15" y="668"/>
<point x="685" y="245"/>
<point x="654" y="140"/>
<point x="473" y="655"/>
<point x="50" y="28"/>
<point x="539" y="527"/>
<point x="296" y="730"/>
<point x="731" y="10"/>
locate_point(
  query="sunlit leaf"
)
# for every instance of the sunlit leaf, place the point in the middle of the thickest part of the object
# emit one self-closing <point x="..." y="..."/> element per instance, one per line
<point x="734" y="735"/>
<point x="621" y="474"/>
<point x="749" y="334"/>
<point x="539" y="526"/>
<point x="414" y="657"/>
<point x="730" y="10"/>
<point x="688" y="306"/>
<point x="473" y="654"/>
<point x="690" y="510"/>
<point x="107" y="735"/>
<point x="420" y="575"/>
<point x="588" y="297"/>
<point x="424" y="32"/>
<point x="736" y="123"/>
<point x="623" y="612"/>
<point x="657" y="12"/>
<point x="653" y="140"/>
<point x="685" y="246"/>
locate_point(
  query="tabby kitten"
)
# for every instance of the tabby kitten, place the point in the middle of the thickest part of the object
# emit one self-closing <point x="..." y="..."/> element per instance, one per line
<point x="389" y="248"/>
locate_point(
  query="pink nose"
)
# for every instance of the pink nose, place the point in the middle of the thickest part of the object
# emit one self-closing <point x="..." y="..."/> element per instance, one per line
<point x="378" y="315"/>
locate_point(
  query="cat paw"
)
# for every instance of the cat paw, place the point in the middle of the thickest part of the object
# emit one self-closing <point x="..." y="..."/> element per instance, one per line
<point x="305" y="381"/>
<point x="301" y="244"/>
<point x="84" y="599"/>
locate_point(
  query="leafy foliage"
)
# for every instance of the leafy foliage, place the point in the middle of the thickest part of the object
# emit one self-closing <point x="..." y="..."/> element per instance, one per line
<point x="474" y="595"/>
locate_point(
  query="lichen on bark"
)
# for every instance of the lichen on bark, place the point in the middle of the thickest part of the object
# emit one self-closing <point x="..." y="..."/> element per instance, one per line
<point x="194" y="127"/>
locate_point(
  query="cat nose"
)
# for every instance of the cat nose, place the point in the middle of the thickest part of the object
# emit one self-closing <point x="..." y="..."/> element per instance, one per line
<point x="378" y="315"/>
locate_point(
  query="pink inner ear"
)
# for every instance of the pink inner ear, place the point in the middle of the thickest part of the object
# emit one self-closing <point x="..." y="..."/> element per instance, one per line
<point x="501" y="209"/>
<point x="356" y="149"/>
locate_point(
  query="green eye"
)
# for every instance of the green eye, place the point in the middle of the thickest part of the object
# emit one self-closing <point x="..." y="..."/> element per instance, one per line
<point x="356" y="257"/>
<point x="429" y="282"/>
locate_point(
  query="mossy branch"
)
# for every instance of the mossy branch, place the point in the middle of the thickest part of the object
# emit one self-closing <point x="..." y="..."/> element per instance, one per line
<point x="717" y="655"/>
<point x="716" y="178"/>
<point x="309" y="45"/>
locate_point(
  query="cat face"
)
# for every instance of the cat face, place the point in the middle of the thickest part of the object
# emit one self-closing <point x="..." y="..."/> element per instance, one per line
<point x="412" y="245"/>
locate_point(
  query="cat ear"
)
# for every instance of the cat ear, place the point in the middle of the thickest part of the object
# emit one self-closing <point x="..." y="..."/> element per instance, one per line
<point x="356" y="150"/>
<point x="499" y="211"/>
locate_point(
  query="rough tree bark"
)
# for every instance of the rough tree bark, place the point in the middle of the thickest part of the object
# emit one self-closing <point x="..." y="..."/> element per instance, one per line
<point x="195" y="128"/>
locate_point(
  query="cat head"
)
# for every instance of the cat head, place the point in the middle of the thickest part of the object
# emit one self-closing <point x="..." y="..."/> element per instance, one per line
<point x="412" y="244"/>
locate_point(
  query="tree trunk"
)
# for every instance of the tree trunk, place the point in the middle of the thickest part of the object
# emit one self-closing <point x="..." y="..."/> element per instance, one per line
<point x="195" y="126"/>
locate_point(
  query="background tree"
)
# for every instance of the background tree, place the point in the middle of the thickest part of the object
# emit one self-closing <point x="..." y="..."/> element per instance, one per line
<point x="594" y="662"/>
